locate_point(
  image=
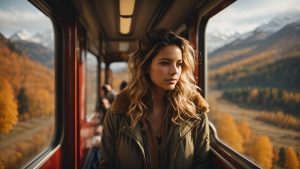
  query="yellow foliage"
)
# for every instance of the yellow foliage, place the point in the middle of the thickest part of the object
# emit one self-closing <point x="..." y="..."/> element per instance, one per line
<point x="245" y="131"/>
<point x="41" y="102"/>
<point x="8" y="107"/>
<point x="291" y="160"/>
<point x="228" y="131"/>
<point x="262" y="151"/>
<point x="253" y="94"/>
<point x="249" y="62"/>
<point x="21" y="71"/>
<point x="276" y="156"/>
<point x="281" y="119"/>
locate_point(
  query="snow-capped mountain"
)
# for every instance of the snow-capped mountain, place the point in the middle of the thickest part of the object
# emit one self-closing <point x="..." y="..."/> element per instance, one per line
<point x="279" y="22"/>
<point x="21" y="35"/>
<point x="44" y="38"/>
<point x="217" y="40"/>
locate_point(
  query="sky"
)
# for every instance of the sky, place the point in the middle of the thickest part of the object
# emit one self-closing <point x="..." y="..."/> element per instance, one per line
<point x="16" y="15"/>
<point x="245" y="15"/>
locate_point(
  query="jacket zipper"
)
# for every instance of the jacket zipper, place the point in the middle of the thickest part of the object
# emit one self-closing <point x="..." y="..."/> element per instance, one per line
<point x="138" y="145"/>
<point x="176" y="149"/>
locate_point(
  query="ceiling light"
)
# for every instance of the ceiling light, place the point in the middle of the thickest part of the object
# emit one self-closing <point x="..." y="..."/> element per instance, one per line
<point x="125" y="24"/>
<point x="126" y="7"/>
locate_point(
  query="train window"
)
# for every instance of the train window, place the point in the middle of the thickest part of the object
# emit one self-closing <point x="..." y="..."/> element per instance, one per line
<point x="253" y="80"/>
<point x="91" y="84"/>
<point x="27" y="83"/>
<point x="120" y="74"/>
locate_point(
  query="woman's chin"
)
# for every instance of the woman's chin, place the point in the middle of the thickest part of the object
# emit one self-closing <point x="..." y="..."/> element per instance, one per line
<point x="171" y="87"/>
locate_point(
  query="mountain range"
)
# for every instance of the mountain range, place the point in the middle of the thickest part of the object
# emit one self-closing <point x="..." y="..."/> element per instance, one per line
<point x="281" y="42"/>
<point x="45" y="38"/>
<point x="260" y="71"/>
<point x="217" y="40"/>
<point x="33" y="48"/>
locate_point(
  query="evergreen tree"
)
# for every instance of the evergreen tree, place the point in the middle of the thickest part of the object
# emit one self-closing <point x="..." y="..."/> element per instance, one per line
<point x="281" y="156"/>
<point x="23" y="102"/>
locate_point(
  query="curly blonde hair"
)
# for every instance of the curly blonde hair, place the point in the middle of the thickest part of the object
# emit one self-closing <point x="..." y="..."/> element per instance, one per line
<point x="180" y="101"/>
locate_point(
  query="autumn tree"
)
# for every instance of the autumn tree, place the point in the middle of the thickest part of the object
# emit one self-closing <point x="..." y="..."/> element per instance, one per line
<point x="253" y="94"/>
<point x="262" y="151"/>
<point x="41" y="102"/>
<point x="228" y="131"/>
<point x="8" y="107"/>
<point x="291" y="160"/>
<point x="245" y="131"/>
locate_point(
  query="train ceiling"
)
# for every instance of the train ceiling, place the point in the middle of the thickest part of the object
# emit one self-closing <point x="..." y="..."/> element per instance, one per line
<point x="103" y="19"/>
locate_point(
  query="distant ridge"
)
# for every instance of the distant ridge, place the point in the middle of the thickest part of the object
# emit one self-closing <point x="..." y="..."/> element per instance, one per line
<point x="32" y="50"/>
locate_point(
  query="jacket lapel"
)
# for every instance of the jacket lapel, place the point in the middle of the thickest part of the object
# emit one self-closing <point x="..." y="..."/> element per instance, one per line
<point x="135" y="134"/>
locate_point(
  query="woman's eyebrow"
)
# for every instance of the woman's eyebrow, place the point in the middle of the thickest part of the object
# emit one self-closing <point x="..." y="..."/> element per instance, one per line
<point x="163" y="58"/>
<point x="168" y="59"/>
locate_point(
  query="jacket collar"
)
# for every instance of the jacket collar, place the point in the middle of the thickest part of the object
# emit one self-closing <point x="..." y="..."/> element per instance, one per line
<point x="122" y="102"/>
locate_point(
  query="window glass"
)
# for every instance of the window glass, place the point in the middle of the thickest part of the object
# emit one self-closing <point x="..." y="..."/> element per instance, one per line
<point x="91" y="84"/>
<point x="27" y="83"/>
<point x="119" y="75"/>
<point x="253" y="80"/>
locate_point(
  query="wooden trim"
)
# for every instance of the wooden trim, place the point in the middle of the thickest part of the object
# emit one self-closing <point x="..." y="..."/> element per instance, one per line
<point x="218" y="162"/>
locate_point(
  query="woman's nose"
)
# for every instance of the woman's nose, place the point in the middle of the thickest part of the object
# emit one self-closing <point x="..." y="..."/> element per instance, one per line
<point x="173" y="69"/>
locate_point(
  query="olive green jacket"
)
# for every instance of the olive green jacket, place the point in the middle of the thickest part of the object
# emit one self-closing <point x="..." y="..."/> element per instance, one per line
<point x="185" y="146"/>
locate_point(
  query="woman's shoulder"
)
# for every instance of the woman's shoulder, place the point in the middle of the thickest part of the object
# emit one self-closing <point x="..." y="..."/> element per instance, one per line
<point x="121" y="103"/>
<point x="201" y="104"/>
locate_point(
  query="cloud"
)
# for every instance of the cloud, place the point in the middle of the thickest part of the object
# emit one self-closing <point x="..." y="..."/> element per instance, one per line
<point x="14" y="20"/>
<point x="243" y="16"/>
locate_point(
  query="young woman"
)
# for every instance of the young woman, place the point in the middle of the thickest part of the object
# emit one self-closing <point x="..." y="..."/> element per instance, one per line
<point x="159" y="121"/>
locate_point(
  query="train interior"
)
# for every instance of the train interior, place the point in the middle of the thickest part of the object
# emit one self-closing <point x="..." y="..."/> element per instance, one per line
<point x="88" y="38"/>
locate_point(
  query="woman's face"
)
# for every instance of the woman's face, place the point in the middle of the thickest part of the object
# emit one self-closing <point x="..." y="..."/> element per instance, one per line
<point x="165" y="68"/>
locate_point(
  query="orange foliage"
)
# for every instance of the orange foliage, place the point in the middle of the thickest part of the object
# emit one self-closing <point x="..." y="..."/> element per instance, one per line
<point x="34" y="77"/>
<point x="8" y="107"/>
<point x="248" y="62"/>
<point x="228" y="55"/>
<point x="291" y="161"/>
<point x="262" y="151"/>
<point x="276" y="156"/>
<point x="41" y="102"/>
<point x="253" y="94"/>
<point x="281" y="119"/>
<point x="245" y="131"/>
<point x="228" y="131"/>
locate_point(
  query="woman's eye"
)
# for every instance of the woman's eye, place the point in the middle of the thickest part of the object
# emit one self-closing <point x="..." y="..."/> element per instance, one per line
<point x="164" y="63"/>
<point x="179" y="64"/>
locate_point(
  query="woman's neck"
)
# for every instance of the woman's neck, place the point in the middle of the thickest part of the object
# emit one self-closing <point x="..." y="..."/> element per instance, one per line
<point x="158" y="102"/>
